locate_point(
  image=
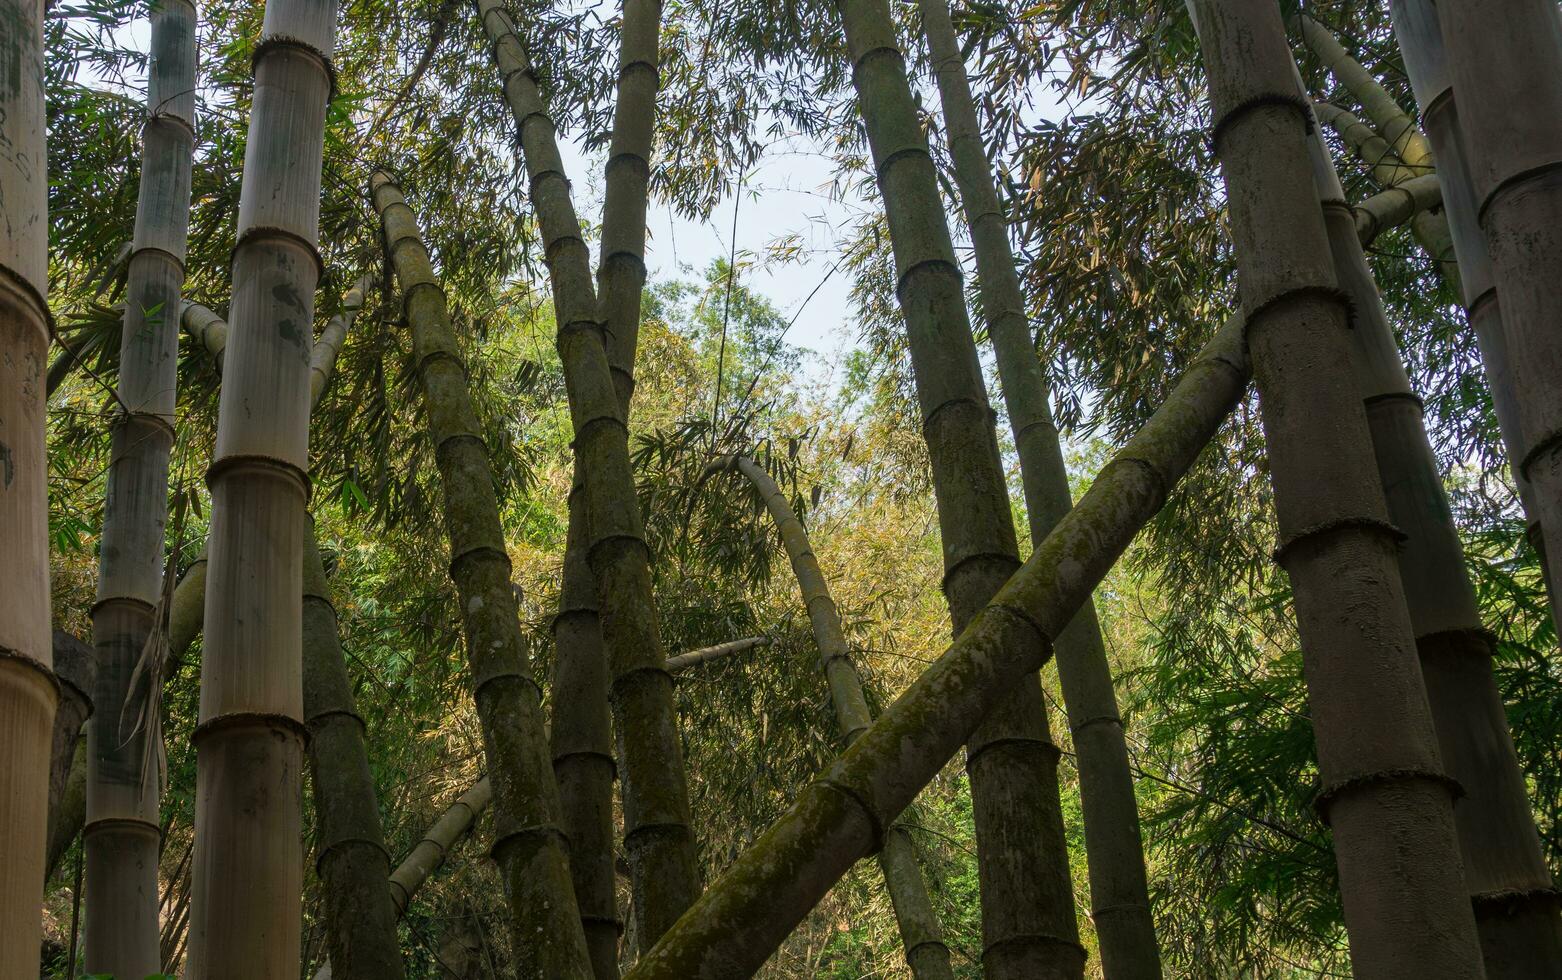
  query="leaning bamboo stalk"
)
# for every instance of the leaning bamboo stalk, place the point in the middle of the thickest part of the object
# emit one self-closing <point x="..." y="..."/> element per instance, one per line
<point x="720" y="651"/>
<point x="1027" y="898"/>
<point x="529" y="847"/>
<point x="206" y="328"/>
<point x="838" y="818"/>
<point x="1420" y="40"/>
<point x="661" y="845"/>
<point x="1396" y="205"/>
<point x="1388" y="803"/>
<point x="121" y="837"/>
<point x="75" y="666"/>
<point x="1497" y="835"/>
<point x="1362" y="140"/>
<point x="1404" y="137"/>
<point x="350" y="854"/>
<point x="921" y="936"/>
<point x="248" y="864"/>
<point x="1119" y="889"/>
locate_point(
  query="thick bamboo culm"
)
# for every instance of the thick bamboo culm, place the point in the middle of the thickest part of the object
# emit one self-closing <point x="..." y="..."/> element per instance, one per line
<point x="1497" y="834"/>
<point x="1027" y="897"/>
<point x="1420" y="39"/>
<point x="657" y="836"/>
<point x="75" y="667"/>
<point x="529" y="846"/>
<point x="838" y="819"/>
<point x="719" y="651"/>
<point x="121" y="836"/>
<point x="350" y="855"/>
<point x="1119" y="890"/>
<point x="249" y="743"/>
<point x="1384" y="792"/>
<point x="920" y="934"/>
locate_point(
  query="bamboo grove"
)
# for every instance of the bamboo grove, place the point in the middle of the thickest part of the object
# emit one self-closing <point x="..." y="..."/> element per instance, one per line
<point x="419" y="564"/>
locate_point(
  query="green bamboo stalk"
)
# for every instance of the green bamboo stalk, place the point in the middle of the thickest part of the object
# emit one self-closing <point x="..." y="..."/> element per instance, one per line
<point x="529" y="847"/>
<point x="1119" y="890"/>
<point x="121" y="837"/>
<point x="920" y="934"/>
<point x="248" y="862"/>
<point x="661" y="845"/>
<point x="1404" y="137"/>
<point x="350" y="855"/>
<point x="839" y="818"/>
<point x="1387" y="801"/>
<point x="719" y="651"/>
<point x="1028" y="924"/>
<point x="1397" y="205"/>
<point x="1373" y="150"/>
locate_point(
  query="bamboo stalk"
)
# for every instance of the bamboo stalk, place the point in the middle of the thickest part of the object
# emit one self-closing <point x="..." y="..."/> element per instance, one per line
<point x="1404" y="137"/>
<point x="1028" y="924"/>
<point x="1387" y="801"/>
<point x="1373" y="150"/>
<point x="1497" y="835"/>
<point x="720" y="651"/>
<point x="249" y="744"/>
<point x="529" y="847"/>
<point x="121" y="835"/>
<point x="1119" y="890"/>
<point x="836" y="820"/>
<point x="1396" y="206"/>
<point x="76" y="668"/>
<point x="350" y="854"/>
<point x="920" y="933"/>
<point x="661" y="845"/>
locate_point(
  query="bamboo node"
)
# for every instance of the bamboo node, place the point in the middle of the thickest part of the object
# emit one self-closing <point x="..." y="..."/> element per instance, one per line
<point x="603" y="920"/>
<point x="1325" y="292"/>
<point x="223" y="723"/>
<point x="623" y="677"/>
<point x="545" y="833"/>
<point x="1262" y="100"/>
<point x="1511" y="901"/>
<point x="258" y="232"/>
<point x="10" y="277"/>
<point x="631" y="837"/>
<point x="276" y="41"/>
<point x="878" y="50"/>
<point x="1035" y="939"/>
<point x="324" y="849"/>
<point x="143" y="828"/>
<point x="1095" y="720"/>
<point x="607" y="757"/>
<point x="1287" y="545"/>
<point x="476" y="552"/>
<point x="1045" y="746"/>
<point x="1547" y="444"/>
<point x="143" y="606"/>
<point x="27" y="660"/>
<point x="1510" y="182"/>
<point x="319" y="716"/>
<point x="939" y="262"/>
<point x="875" y="825"/>
<point x="1002" y="557"/>
<point x="479" y="683"/>
<point x="276" y="466"/>
<point x="1388" y="396"/>
<point x="1331" y="794"/>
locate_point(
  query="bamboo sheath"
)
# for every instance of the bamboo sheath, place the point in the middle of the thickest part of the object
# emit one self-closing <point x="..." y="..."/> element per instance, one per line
<point x="530" y="848"/>
<point x="1420" y="39"/>
<point x="1497" y="835"/>
<point x="660" y="843"/>
<point x="1119" y="891"/>
<point x="838" y="819"/>
<point x="249" y="743"/>
<point x="121" y="837"/>
<point x="920" y="934"/>
<point x="1028" y="924"/>
<point x="1384" y="792"/>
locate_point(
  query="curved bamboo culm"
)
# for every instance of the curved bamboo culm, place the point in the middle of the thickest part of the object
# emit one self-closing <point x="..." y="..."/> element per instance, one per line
<point x="250" y="740"/>
<point x="1497" y="835"/>
<point x="1370" y="148"/>
<point x="747" y="913"/>
<point x="1509" y="116"/>
<point x="529" y="846"/>
<point x="122" y="836"/>
<point x="350" y="855"/>
<point x="719" y="651"/>
<point x="1406" y="140"/>
<point x="28" y="691"/>
<point x="1384" y="793"/>
<point x="1027" y="897"/>
<point x="1396" y="205"/>
<point x="1119" y="889"/>
<point x="920" y="933"/>
<point x="1420" y="39"/>
<point x="663" y="863"/>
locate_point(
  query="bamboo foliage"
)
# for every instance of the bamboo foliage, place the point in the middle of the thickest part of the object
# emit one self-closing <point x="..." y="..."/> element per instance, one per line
<point x="529" y="846"/>
<point x="920" y="934"/>
<point x="1119" y="891"/>
<point x="249" y="743"/>
<point x="1028" y="925"/>
<point x="28" y="691"/>
<point x="657" y="836"/>
<point x="121" y="836"/>
<point x="1384" y="792"/>
<point x="837" y="819"/>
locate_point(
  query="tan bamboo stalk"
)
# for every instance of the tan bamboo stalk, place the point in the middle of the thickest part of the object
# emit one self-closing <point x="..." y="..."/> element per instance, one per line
<point x="1373" y="150"/>
<point x="720" y="651"/>
<point x="920" y="933"/>
<point x="1397" y="205"/>
<point x="322" y="356"/>
<point x="248" y="863"/>
<point x="350" y="854"/>
<point x="661" y="846"/>
<point x="75" y="667"/>
<point x="66" y="818"/>
<point x="1497" y="835"/>
<point x="529" y="847"/>
<point x="1387" y="801"/>
<point x="121" y="837"/>
<point x="1420" y="40"/>
<point x="1119" y="890"/>
<point x="206" y="328"/>
<point x="1404" y="137"/>
<point x="1028" y="923"/>
<point x="838" y="818"/>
